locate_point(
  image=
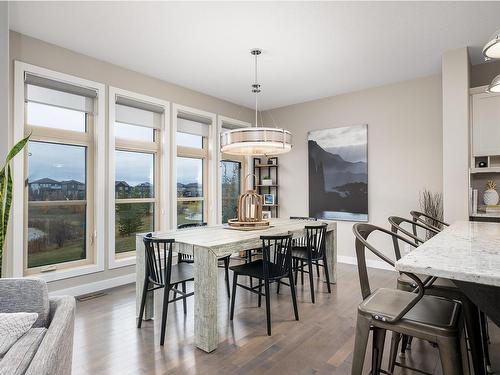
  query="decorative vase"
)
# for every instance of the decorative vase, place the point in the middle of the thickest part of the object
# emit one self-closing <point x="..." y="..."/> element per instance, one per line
<point x="490" y="197"/>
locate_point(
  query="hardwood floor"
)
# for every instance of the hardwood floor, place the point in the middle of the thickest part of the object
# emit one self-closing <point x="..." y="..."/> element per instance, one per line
<point x="108" y="342"/>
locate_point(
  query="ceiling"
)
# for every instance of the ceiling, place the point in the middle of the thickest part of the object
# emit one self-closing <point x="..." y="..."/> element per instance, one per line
<point x="311" y="50"/>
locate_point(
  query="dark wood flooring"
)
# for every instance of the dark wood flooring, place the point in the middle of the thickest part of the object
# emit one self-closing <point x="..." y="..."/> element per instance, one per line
<point x="108" y="342"/>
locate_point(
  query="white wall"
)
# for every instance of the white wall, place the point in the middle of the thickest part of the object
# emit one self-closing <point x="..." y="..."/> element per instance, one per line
<point x="455" y="70"/>
<point x="37" y="52"/>
<point x="4" y="84"/>
<point x="404" y="148"/>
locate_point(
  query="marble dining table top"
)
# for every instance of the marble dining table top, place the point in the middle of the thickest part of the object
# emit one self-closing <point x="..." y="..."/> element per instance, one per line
<point x="465" y="251"/>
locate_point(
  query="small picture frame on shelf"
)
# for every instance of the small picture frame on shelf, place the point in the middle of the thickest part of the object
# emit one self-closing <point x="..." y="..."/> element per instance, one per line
<point x="268" y="199"/>
<point x="266" y="215"/>
<point x="271" y="161"/>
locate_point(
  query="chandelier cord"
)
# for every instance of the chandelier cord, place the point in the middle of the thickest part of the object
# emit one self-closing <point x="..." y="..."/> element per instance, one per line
<point x="256" y="90"/>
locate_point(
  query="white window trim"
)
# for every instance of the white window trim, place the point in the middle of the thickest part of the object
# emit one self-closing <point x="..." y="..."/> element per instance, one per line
<point x="19" y="166"/>
<point x="221" y="120"/>
<point x="164" y="177"/>
<point x="212" y="169"/>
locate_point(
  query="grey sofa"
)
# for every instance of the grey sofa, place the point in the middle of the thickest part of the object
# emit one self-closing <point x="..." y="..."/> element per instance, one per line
<point x="46" y="349"/>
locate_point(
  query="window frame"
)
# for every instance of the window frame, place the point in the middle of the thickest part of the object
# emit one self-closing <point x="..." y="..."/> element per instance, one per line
<point x="207" y="154"/>
<point x="95" y="176"/>
<point x="244" y="160"/>
<point x="160" y="148"/>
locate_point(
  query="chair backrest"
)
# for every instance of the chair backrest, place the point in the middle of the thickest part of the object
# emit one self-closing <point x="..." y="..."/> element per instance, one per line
<point x="396" y="227"/>
<point x="315" y="240"/>
<point x="191" y="225"/>
<point x="362" y="231"/>
<point x="277" y="253"/>
<point x="158" y="259"/>
<point x="306" y="218"/>
<point x="428" y="220"/>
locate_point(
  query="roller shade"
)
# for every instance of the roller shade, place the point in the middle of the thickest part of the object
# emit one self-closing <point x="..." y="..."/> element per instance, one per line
<point x="192" y="127"/>
<point x="137" y="117"/>
<point x="228" y="126"/>
<point x="59" y="94"/>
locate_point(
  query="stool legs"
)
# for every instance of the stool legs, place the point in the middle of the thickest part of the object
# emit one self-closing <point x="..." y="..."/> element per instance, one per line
<point x="449" y="352"/>
<point x="360" y="344"/>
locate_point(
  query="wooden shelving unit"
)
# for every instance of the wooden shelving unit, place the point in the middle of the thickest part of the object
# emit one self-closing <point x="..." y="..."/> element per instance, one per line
<point x="263" y="169"/>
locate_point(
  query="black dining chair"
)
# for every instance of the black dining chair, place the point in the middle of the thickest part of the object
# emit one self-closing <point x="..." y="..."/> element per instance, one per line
<point x="223" y="262"/>
<point x="412" y="313"/>
<point x="275" y="265"/>
<point x="161" y="273"/>
<point x="313" y="253"/>
<point x="441" y="288"/>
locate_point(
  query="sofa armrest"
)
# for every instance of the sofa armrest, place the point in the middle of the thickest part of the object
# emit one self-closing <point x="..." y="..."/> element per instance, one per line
<point x="55" y="354"/>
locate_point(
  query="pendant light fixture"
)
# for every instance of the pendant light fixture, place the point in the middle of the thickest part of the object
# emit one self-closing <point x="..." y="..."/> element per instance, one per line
<point x="256" y="140"/>
<point x="492" y="49"/>
<point x="494" y="86"/>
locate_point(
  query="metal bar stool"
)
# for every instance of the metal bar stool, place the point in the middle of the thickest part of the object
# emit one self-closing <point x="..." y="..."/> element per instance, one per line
<point x="404" y="313"/>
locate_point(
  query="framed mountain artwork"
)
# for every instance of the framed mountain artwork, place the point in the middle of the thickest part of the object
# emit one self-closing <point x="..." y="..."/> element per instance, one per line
<point x="338" y="173"/>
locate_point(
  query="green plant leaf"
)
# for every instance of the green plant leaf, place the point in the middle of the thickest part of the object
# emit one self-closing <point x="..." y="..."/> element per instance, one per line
<point x="15" y="150"/>
<point x="3" y="187"/>
<point x="8" y="200"/>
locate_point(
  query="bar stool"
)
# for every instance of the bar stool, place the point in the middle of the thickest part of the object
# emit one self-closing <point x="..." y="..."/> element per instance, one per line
<point x="162" y="274"/>
<point x="443" y="288"/>
<point x="404" y="313"/>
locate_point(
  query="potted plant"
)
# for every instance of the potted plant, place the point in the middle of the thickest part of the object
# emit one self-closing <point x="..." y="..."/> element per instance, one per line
<point x="267" y="181"/>
<point x="6" y="193"/>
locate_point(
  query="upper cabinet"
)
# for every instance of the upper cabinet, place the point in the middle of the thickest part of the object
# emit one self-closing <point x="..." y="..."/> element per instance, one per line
<point x="485" y="111"/>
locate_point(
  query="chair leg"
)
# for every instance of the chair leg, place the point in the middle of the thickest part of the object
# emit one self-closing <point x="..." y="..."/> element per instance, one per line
<point x="317" y="268"/>
<point x="404" y="345"/>
<point x="143" y="301"/>
<point x="377" y="350"/>
<point x="301" y="272"/>
<point x="311" y="281"/>
<point x="396" y="338"/>
<point x="486" y="339"/>
<point x="450" y="354"/>
<point x="278" y="287"/>
<point x="228" y="287"/>
<point x="473" y="325"/>
<point x="260" y="291"/>
<point x="360" y="344"/>
<point x="233" y="296"/>
<point x="268" y="307"/>
<point x="294" y="296"/>
<point x="296" y="270"/>
<point x="166" y="294"/>
<point x="249" y="259"/>
<point x="327" y="274"/>
<point x="184" y="302"/>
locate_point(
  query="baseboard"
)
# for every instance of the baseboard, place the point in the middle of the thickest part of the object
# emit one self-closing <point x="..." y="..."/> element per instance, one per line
<point x="369" y="262"/>
<point x="95" y="286"/>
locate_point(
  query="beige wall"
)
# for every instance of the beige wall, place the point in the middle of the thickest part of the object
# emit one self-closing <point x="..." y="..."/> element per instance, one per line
<point x="455" y="71"/>
<point x="404" y="148"/>
<point x="33" y="51"/>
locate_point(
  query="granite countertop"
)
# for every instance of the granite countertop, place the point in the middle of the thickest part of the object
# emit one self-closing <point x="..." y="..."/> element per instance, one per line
<point x="466" y="251"/>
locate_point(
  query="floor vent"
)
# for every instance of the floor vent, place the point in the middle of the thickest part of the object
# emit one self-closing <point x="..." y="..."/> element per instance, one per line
<point x="90" y="296"/>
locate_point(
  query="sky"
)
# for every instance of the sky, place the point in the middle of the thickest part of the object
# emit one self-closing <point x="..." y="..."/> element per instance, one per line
<point x="65" y="162"/>
<point x="349" y="142"/>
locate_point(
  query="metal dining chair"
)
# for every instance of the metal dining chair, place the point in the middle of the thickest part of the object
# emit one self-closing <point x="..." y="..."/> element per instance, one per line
<point x="275" y="265"/>
<point x="312" y="253"/>
<point x="441" y="288"/>
<point x="161" y="273"/>
<point x="428" y="220"/>
<point x="223" y="262"/>
<point x="414" y="314"/>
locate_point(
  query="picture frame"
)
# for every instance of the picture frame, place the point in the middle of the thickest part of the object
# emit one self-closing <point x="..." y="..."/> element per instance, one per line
<point x="268" y="199"/>
<point x="266" y="215"/>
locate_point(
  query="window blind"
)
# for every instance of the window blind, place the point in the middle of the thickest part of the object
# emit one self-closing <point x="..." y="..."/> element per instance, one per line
<point x="138" y="113"/>
<point x="192" y="127"/>
<point x="59" y="94"/>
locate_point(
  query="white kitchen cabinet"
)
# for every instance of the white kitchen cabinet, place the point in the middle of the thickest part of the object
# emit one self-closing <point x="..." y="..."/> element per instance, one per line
<point x="485" y="109"/>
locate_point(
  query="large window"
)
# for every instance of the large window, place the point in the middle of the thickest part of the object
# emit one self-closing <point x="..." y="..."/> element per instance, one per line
<point x="59" y="220"/>
<point x="231" y="188"/>
<point x="137" y="133"/>
<point x="192" y="170"/>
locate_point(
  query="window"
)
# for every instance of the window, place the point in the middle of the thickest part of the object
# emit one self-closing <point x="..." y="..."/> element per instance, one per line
<point x="135" y="151"/>
<point x="59" y="211"/>
<point x="192" y="170"/>
<point x="231" y="188"/>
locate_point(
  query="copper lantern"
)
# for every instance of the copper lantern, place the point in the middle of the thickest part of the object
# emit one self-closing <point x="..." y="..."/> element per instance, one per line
<point x="250" y="207"/>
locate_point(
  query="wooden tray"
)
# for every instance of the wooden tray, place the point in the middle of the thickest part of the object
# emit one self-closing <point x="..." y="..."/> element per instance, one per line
<point x="245" y="225"/>
<point x="248" y="229"/>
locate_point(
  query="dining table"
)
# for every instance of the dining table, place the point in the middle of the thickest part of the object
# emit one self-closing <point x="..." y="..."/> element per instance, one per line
<point x="207" y="245"/>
